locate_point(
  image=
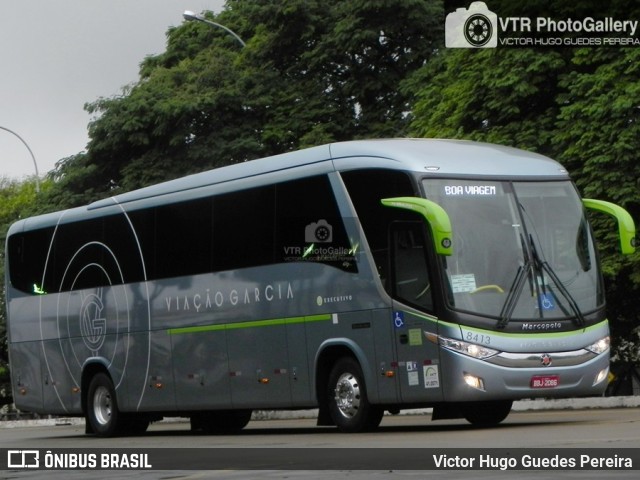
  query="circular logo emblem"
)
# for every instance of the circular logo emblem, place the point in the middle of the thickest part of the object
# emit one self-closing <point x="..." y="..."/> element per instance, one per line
<point x="93" y="324"/>
<point x="478" y="30"/>
<point x="95" y="268"/>
<point x="545" y="360"/>
<point x="94" y="321"/>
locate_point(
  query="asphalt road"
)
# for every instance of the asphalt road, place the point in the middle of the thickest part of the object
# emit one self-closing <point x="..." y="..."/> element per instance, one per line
<point x="609" y="433"/>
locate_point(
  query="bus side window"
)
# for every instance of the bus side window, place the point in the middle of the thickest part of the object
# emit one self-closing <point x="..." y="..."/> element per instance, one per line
<point x="27" y="256"/>
<point x="409" y="267"/>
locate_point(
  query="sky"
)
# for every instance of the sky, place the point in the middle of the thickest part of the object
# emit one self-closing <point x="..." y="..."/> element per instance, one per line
<point x="58" y="55"/>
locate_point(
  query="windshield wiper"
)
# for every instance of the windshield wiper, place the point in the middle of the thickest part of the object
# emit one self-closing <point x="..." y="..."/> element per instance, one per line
<point x="533" y="267"/>
<point x="543" y="266"/>
<point x="512" y="299"/>
<point x="515" y="289"/>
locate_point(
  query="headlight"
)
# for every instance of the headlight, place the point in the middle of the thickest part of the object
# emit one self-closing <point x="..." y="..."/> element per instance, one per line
<point x="471" y="349"/>
<point x="600" y="346"/>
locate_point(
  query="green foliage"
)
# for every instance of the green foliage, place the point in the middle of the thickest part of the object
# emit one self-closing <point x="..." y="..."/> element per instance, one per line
<point x="498" y="96"/>
<point x="599" y="139"/>
<point x="311" y="72"/>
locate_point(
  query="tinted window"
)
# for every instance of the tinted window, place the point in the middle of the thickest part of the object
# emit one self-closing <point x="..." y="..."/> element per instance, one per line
<point x="27" y="254"/>
<point x="87" y="254"/>
<point x="244" y="229"/>
<point x="291" y="221"/>
<point x="176" y="238"/>
<point x="366" y="188"/>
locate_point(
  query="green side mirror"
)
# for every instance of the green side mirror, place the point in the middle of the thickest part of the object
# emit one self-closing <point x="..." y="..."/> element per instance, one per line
<point x="626" y="226"/>
<point x="434" y="214"/>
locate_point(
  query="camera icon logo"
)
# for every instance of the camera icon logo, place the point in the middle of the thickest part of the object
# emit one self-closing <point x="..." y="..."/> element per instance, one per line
<point x="320" y="231"/>
<point x="475" y="27"/>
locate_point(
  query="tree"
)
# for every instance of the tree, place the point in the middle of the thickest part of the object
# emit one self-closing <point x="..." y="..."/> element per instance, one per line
<point x="498" y="96"/>
<point x="311" y="72"/>
<point x="598" y="137"/>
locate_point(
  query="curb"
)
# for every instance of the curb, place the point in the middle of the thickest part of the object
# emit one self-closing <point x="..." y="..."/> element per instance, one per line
<point x="518" y="406"/>
<point x="541" y="404"/>
<point x="577" y="403"/>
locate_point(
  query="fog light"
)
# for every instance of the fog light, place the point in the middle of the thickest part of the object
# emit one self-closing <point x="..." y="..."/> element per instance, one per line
<point x="601" y="376"/>
<point x="473" y="381"/>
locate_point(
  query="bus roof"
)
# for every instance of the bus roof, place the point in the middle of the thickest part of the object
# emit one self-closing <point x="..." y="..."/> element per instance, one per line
<point x="448" y="157"/>
<point x="436" y="156"/>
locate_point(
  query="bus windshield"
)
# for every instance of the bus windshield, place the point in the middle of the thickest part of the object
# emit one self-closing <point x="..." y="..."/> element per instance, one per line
<point x="521" y="251"/>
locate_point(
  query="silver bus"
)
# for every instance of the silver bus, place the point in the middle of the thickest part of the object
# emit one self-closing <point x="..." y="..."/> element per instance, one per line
<point x="355" y="278"/>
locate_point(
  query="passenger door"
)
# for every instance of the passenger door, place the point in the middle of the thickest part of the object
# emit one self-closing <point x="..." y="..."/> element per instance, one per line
<point x="418" y="360"/>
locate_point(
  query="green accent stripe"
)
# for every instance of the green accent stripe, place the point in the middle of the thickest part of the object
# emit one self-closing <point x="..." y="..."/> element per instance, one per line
<point x="254" y="324"/>
<point x="316" y="318"/>
<point x="570" y="333"/>
<point x="512" y="334"/>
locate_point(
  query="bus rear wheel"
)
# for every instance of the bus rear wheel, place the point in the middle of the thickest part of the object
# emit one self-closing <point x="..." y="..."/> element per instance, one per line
<point x="102" y="412"/>
<point x="349" y="405"/>
<point x="486" y="414"/>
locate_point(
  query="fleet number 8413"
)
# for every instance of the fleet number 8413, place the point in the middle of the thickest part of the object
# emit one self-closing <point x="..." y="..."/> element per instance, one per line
<point x="478" y="338"/>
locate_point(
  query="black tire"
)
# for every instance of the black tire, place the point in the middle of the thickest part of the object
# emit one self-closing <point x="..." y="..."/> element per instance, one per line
<point x="232" y="421"/>
<point x="486" y="414"/>
<point x="102" y="412"/>
<point x="221" y="421"/>
<point x="348" y="403"/>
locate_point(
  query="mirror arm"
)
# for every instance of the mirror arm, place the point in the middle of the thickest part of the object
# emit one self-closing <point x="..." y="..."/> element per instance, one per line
<point x="626" y="226"/>
<point x="434" y="214"/>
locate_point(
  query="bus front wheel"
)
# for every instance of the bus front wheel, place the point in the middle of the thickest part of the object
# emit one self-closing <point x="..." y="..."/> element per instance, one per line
<point x="488" y="413"/>
<point x="102" y="406"/>
<point x="349" y="405"/>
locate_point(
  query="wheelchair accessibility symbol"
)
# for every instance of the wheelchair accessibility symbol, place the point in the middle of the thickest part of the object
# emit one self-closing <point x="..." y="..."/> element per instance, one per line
<point x="546" y="302"/>
<point x="398" y="319"/>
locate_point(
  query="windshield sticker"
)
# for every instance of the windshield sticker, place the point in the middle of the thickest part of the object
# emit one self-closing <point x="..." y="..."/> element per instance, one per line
<point x="463" y="283"/>
<point x="546" y="301"/>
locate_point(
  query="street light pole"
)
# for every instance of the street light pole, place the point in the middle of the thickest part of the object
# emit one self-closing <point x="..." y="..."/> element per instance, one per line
<point x="191" y="16"/>
<point x="33" y="157"/>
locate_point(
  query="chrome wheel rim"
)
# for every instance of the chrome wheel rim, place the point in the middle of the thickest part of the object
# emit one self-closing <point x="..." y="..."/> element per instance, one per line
<point x="102" y="405"/>
<point x="347" y="395"/>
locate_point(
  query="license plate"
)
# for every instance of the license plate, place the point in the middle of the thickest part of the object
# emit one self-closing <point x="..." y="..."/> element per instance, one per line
<point x="545" y="381"/>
